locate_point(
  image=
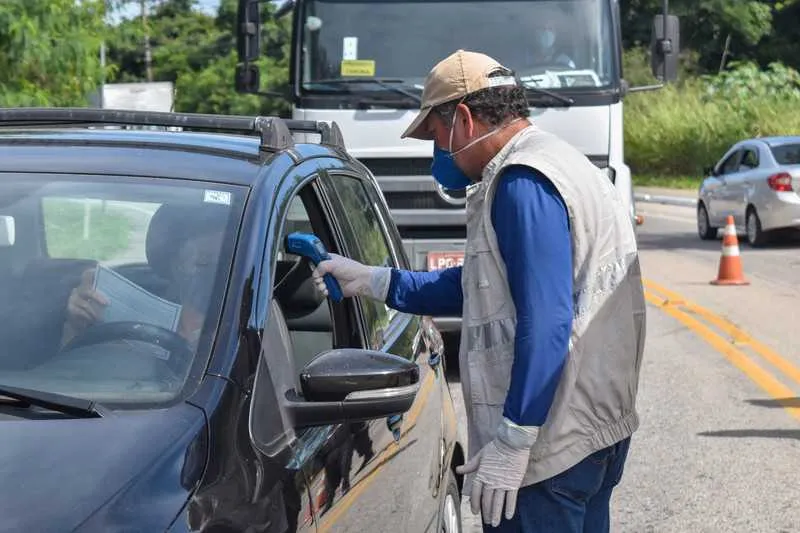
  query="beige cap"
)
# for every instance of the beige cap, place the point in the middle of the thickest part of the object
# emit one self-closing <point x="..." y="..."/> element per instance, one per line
<point x="452" y="78"/>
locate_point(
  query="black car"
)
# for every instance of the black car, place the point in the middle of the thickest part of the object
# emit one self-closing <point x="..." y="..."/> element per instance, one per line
<point x="169" y="366"/>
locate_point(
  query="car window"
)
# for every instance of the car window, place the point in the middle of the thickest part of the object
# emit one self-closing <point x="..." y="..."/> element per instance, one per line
<point x="749" y="160"/>
<point x="301" y="322"/>
<point x="731" y="164"/>
<point x="391" y="230"/>
<point x="112" y="287"/>
<point x="312" y="333"/>
<point x="786" y="154"/>
<point x="365" y="239"/>
<point x="95" y="229"/>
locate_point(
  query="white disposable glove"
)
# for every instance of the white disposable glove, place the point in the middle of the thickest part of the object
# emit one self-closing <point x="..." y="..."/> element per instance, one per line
<point x="500" y="467"/>
<point x="354" y="278"/>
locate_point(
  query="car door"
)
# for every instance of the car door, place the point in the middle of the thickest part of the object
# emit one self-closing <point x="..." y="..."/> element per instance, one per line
<point x="381" y="473"/>
<point x="740" y="182"/>
<point x="398" y="490"/>
<point x="301" y="328"/>
<point x="722" y="203"/>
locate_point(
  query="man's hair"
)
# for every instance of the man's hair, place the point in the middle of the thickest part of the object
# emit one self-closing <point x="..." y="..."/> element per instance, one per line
<point x="493" y="105"/>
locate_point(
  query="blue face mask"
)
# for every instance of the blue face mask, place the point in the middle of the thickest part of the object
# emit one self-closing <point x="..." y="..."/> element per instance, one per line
<point x="446" y="172"/>
<point x="444" y="168"/>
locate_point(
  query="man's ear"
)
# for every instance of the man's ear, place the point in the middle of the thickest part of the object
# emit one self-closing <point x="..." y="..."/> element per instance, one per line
<point x="464" y="115"/>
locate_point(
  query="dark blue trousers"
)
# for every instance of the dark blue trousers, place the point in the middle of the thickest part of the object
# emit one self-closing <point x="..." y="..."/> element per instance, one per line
<point x="575" y="501"/>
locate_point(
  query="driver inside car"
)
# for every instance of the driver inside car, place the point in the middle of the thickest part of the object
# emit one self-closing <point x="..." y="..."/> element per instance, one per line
<point x="546" y="51"/>
<point x="182" y="247"/>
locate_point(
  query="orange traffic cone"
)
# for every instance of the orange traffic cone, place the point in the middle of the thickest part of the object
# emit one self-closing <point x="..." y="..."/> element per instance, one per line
<point x="730" y="264"/>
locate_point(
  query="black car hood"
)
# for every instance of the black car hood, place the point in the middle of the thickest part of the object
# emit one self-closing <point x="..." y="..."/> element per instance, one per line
<point x="101" y="474"/>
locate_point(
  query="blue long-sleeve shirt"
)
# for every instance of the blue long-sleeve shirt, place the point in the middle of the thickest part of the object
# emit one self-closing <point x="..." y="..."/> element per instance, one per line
<point x="532" y="227"/>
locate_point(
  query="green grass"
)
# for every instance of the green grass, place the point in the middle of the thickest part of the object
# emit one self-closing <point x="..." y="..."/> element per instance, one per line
<point x="669" y="182"/>
<point x="677" y="131"/>
<point x="64" y="228"/>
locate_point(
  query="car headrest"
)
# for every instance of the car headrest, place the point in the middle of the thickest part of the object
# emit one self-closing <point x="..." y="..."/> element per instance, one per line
<point x="299" y="296"/>
<point x="172" y="224"/>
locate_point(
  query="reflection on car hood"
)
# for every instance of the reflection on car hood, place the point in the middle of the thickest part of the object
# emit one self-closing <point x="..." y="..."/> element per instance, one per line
<point x="131" y="471"/>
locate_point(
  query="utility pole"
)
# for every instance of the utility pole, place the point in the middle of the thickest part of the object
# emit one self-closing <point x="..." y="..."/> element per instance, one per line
<point x="148" y="58"/>
<point x="102" y="72"/>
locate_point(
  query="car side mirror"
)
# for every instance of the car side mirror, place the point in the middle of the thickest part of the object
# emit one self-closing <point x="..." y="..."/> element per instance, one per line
<point x="665" y="47"/>
<point x="709" y="171"/>
<point x="349" y="385"/>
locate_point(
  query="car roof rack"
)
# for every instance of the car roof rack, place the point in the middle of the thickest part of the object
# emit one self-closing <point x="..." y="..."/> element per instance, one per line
<point x="275" y="132"/>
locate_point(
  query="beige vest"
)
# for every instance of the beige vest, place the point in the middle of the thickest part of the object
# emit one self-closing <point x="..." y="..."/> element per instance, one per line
<point x="594" y="404"/>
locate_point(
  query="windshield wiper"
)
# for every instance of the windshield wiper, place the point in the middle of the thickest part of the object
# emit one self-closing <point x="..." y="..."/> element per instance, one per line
<point x="390" y="84"/>
<point x="56" y="402"/>
<point x="566" y="100"/>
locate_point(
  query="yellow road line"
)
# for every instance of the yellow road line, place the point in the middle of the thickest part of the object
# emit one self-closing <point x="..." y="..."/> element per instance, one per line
<point x="739" y="336"/>
<point x="409" y="422"/>
<point x="761" y="377"/>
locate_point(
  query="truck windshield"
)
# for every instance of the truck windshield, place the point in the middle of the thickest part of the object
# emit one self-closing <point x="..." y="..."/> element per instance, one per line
<point x="551" y="44"/>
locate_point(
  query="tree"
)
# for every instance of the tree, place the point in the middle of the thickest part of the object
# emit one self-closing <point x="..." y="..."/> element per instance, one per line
<point x="50" y="51"/>
<point x="197" y="53"/>
<point x="717" y="30"/>
<point x="783" y="43"/>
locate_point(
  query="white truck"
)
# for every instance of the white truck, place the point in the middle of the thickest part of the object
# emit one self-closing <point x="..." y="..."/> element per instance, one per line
<point x="363" y="63"/>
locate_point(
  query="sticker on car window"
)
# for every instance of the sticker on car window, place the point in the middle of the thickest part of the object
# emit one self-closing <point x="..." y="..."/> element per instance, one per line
<point x="217" y="197"/>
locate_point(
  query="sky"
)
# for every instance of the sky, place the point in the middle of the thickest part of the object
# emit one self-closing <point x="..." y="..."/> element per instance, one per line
<point x="133" y="9"/>
<point x="209" y="6"/>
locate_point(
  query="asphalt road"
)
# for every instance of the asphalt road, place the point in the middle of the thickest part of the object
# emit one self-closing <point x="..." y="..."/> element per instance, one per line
<point x="718" y="449"/>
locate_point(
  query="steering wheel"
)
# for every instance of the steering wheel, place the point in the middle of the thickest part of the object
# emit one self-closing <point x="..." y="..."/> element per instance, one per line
<point x="180" y="352"/>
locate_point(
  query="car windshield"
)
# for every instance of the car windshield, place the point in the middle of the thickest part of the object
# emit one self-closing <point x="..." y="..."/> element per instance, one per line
<point x="786" y="154"/>
<point x="111" y="285"/>
<point x="555" y="44"/>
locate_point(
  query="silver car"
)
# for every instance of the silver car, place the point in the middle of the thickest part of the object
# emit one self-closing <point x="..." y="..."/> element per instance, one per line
<point x="757" y="181"/>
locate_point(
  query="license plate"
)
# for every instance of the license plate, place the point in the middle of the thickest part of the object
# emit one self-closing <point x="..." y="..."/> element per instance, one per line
<point x="439" y="260"/>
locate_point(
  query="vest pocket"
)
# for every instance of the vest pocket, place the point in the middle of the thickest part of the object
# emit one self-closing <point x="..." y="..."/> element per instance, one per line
<point x="490" y="374"/>
<point x="489" y="379"/>
<point x="486" y="285"/>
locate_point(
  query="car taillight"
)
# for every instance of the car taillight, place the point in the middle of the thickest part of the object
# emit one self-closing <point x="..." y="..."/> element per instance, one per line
<point x="781" y="182"/>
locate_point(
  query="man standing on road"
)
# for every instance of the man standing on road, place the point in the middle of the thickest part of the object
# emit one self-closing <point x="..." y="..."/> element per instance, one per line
<point x="551" y="299"/>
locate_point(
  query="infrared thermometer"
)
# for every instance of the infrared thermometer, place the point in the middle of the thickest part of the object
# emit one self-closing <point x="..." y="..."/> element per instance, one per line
<point x="309" y="246"/>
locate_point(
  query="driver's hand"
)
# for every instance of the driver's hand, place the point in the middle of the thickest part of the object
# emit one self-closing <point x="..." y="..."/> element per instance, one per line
<point x="85" y="305"/>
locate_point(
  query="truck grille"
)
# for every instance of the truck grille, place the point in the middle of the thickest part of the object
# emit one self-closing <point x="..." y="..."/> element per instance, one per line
<point x="422" y="200"/>
<point x="412" y="199"/>
<point x="407" y="166"/>
<point x="421" y="166"/>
